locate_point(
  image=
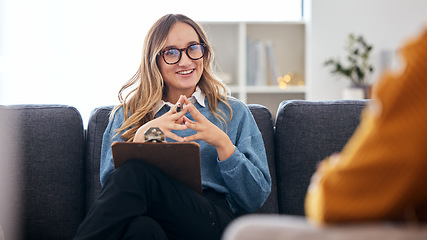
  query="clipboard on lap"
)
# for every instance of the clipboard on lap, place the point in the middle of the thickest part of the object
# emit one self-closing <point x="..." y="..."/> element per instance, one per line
<point x="179" y="160"/>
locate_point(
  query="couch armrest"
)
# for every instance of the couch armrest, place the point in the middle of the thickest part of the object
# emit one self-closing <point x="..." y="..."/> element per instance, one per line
<point x="275" y="227"/>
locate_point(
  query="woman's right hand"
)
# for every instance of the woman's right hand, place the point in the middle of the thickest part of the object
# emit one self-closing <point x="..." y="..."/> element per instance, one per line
<point x="172" y="120"/>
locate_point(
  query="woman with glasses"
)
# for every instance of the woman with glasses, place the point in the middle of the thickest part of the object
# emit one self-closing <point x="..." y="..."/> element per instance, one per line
<point x="175" y="90"/>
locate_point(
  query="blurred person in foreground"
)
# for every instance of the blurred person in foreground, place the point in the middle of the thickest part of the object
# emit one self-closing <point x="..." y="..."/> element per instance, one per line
<point x="381" y="174"/>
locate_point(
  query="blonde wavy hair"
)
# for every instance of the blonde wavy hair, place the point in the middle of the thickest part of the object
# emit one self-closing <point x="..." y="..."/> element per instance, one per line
<point x="147" y="87"/>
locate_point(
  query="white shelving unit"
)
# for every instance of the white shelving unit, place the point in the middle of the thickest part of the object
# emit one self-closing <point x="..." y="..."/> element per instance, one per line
<point x="230" y="43"/>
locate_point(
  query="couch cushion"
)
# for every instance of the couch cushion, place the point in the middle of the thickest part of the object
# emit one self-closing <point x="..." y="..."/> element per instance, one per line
<point x="307" y="132"/>
<point x="51" y="150"/>
<point x="264" y="121"/>
<point x="99" y="120"/>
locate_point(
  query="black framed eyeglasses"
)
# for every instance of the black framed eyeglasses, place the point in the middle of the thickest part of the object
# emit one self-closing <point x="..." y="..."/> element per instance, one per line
<point x="173" y="55"/>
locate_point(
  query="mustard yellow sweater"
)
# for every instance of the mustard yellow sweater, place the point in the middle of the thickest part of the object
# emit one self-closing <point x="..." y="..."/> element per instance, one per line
<point x="381" y="174"/>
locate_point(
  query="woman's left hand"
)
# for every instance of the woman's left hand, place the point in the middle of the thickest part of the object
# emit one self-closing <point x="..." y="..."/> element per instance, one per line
<point x="207" y="132"/>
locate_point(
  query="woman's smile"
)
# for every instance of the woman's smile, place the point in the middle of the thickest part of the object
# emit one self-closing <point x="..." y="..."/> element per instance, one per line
<point x="185" y="72"/>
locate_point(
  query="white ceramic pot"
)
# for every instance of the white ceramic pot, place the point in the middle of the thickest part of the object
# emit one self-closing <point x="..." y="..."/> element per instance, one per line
<point x="353" y="93"/>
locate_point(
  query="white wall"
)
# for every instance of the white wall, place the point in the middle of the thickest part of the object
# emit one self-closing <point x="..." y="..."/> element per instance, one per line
<point x="384" y="23"/>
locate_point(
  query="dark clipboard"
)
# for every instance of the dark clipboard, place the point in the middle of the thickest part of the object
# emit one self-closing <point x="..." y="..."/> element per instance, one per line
<point x="179" y="160"/>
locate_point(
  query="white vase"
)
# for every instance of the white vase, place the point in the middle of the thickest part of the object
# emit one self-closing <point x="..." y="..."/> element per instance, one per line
<point x="353" y="93"/>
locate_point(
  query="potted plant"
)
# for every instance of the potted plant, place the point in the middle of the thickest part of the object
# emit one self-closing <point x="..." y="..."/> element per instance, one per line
<point x="357" y="68"/>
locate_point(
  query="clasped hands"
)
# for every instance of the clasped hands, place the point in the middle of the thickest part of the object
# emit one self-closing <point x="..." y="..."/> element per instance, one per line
<point x="205" y="130"/>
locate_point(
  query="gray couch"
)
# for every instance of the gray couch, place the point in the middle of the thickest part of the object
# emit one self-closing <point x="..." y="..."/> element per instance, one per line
<point x="60" y="159"/>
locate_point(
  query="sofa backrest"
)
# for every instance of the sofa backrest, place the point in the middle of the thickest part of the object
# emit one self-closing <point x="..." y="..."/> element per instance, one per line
<point x="264" y="120"/>
<point x="50" y="155"/>
<point x="306" y="132"/>
<point x="99" y="120"/>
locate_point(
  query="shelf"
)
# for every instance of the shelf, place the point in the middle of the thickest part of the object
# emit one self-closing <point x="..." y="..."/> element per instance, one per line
<point x="269" y="89"/>
<point x="250" y="57"/>
<point x="275" y="89"/>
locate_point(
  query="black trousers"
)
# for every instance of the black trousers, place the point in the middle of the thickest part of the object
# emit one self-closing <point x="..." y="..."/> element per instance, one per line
<point x="139" y="201"/>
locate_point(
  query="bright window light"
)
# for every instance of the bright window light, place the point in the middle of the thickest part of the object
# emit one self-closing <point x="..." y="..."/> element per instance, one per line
<point x="80" y="52"/>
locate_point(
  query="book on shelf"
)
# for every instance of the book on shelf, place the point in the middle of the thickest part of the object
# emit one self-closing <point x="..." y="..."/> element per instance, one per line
<point x="261" y="63"/>
<point x="272" y="63"/>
